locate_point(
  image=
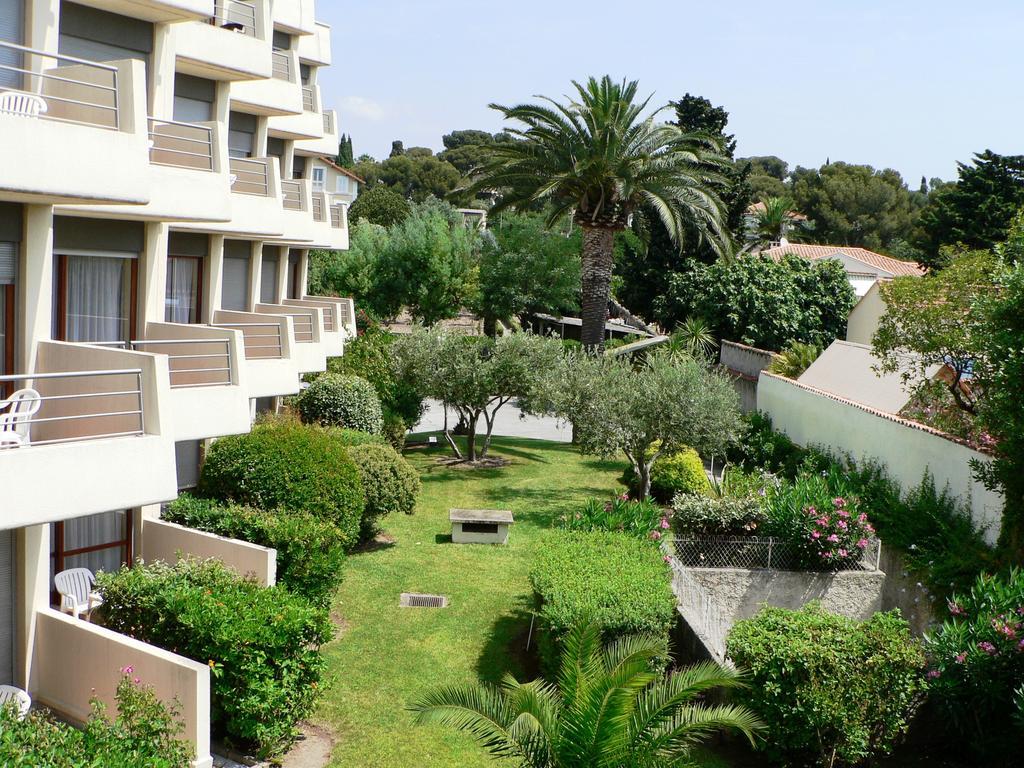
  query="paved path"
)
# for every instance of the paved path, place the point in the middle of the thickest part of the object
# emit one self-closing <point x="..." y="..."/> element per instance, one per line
<point x="510" y="423"/>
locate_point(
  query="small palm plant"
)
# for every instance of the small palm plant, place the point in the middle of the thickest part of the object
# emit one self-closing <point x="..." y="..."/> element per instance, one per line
<point x="693" y="337"/>
<point x="607" y="709"/>
<point x="794" y="360"/>
<point x="774" y="221"/>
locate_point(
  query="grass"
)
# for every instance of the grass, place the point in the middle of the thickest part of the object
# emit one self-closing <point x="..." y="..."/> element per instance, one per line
<point x="386" y="656"/>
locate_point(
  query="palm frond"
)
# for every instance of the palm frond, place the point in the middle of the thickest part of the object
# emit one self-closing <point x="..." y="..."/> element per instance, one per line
<point x="480" y="710"/>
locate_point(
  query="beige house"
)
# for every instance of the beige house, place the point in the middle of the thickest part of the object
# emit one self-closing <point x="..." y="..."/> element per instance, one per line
<point x="157" y="206"/>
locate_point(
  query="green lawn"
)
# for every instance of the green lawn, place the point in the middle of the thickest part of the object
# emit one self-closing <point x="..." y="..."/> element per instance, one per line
<point x="386" y="655"/>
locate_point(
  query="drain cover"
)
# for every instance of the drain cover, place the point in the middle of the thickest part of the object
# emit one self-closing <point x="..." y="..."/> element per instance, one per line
<point x="414" y="600"/>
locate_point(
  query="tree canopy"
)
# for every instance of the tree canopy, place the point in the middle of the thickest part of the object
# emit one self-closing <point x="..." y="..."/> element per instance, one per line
<point x="379" y="204"/>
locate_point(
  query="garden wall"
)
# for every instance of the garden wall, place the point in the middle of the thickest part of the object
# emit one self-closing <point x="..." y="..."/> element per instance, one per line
<point x="744" y="364"/>
<point x="811" y="416"/>
<point x="169" y="542"/>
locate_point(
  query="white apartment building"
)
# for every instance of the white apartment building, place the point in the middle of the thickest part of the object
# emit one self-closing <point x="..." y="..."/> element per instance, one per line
<point x="157" y="207"/>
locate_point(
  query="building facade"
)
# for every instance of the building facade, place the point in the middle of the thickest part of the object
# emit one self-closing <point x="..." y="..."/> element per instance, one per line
<point x="157" y="208"/>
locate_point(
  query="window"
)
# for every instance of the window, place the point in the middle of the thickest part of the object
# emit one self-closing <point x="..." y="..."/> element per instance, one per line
<point x="235" y="291"/>
<point x="8" y="265"/>
<point x="268" y="280"/>
<point x="294" y="275"/>
<point x="12" y="31"/>
<point x="319" y="178"/>
<point x="8" y="604"/>
<point x="193" y="99"/>
<point x="344" y="185"/>
<point x="100" y="542"/>
<point x="186" y="457"/>
<point x="241" y="135"/>
<point x="96" y="297"/>
<point x="183" y="301"/>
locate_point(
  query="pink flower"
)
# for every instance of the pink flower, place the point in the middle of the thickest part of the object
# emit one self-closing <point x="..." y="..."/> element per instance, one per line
<point x="815" y="535"/>
<point x="862" y="544"/>
<point x="811" y="511"/>
<point x="842" y="525"/>
<point x="933" y="674"/>
<point x="843" y="553"/>
<point x="137" y="681"/>
<point x="655" y="535"/>
<point x="624" y="497"/>
<point x="833" y="539"/>
<point x="822" y="521"/>
<point x="667" y="559"/>
<point x="862" y="518"/>
<point x="843" y="513"/>
<point x="954" y="609"/>
<point x="839" y="502"/>
<point x="988" y="648"/>
<point x="664" y="524"/>
<point x="869" y="528"/>
<point x="127" y="671"/>
<point x="962" y="657"/>
<point x="1020" y="646"/>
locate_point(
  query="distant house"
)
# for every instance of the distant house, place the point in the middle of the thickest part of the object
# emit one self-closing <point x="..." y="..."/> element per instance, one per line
<point x="340" y="184"/>
<point x="863" y="267"/>
<point x="474" y="217"/>
<point x="572" y="328"/>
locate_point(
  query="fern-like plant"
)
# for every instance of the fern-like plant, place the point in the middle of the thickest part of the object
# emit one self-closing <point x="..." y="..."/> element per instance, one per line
<point x="794" y="360"/>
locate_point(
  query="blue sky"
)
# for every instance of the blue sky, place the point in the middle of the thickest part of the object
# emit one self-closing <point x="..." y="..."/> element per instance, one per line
<point x="907" y="84"/>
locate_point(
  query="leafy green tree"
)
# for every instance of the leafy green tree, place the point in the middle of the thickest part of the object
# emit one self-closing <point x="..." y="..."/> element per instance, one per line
<point x="976" y="211"/>
<point x="599" y="159"/>
<point x="669" y="402"/>
<point x="606" y="709"/>
<point x="761" y="302"/>
<point x="767" y="165"/>
<point x="345" y="157"/>
<point x="428" y="265"/>
<point x="527" y="268"/>
<point x="794" y="359"/>
<point x="352" y="272"/>
<point x="418" y="175"/>
<point x="467" y="150"/>
<point x="380" y="205"/>
<point x="854" y="204"/>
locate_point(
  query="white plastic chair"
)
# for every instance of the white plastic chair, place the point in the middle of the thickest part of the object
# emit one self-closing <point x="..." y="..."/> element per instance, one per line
<point x="21" y="700"/>
<point x="76" y="595"/>
<point x="22" y="104"/>
<point x="15" y="424"/>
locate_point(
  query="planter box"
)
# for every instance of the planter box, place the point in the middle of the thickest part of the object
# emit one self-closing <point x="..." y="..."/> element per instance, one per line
<point x="480" y="526"/>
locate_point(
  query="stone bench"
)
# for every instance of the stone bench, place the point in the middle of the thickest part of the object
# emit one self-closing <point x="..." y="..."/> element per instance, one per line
<point x="480" y="526"/>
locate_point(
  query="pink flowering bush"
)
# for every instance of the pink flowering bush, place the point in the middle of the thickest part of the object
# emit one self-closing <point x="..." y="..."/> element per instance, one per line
<point x="643" y="519"/>
<point x="836" y="536"/>
<point x="977" y="664"/>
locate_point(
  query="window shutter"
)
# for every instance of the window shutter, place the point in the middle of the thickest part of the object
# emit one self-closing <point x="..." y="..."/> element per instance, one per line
<point x="8" y="263"/>
<point x="6" y="608"/>
<point x="11" y="25"/>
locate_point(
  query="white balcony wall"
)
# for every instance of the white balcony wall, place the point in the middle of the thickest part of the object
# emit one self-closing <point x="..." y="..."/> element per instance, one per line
<point x="327" y="144"/>
<point x="169" y="542"/>
<point x="308" y="351"/>
<point x="307" y="126"/>
<point x="99" y="474"/>
<point x="270" y="366"/>
<point x="333" y="336"/>
<point x="273" y="96"/>
<point x="207" y="50"/>
<point x="316" y="48"/>
<point x="295" y="16"/>
<point x="155" y="10"/>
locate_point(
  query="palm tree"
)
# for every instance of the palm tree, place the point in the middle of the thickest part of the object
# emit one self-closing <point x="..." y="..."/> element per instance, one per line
<point x="773" y="220"/>
<point x="606" y="710"/>
<point x="598" y="159"/>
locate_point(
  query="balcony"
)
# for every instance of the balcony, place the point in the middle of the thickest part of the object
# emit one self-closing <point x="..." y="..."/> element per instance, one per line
<point x="269" y="343"/>
<point x="103" y="430"/>
<point x="306" y="127"/>
<point x="278" y="95"/>
<point x="295" y="16"/>
<point x="309" y="352"/>
<point x="346" y="312"/>
<point x="316" y="48"/>
<point x="158" y="11"/>
<point x="326" y="142"/>
<point x="206" y="372"/>
<point x="333" y="334"/>
<point x="256" y="205"/>
<point x="68" y="102"/>
<point x="232" y="43"/>
<point x="298" y="220"/>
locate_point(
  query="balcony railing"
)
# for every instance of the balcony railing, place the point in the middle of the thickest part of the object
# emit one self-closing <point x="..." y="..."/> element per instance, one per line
<point x="303" y="325"/>
<point x="193" y="362"/>
<point x="319" y="207"/>
<point x="235" y="16"/>
<point x="76" y="406"/>
<point x="328" y="123"/>
<point x="182" y="145"/>
<point x="308" y="99"/>
<point x="75" y="91"/>
<point x="337" y="217"/>
<point x="293" y="198"/>
<point x="252" y="177"/>
<point x="282" y="66"/>
<point x="262" y="340"/>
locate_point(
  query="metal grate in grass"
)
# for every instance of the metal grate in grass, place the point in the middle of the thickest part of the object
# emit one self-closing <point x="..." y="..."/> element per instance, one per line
<point x="414" y="600"/>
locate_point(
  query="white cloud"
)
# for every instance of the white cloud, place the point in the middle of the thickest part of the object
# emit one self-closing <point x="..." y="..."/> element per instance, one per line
<point x="360" y="106"/>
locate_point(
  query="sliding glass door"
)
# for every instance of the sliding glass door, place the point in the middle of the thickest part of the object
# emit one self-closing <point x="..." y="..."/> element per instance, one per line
<point x="184" y="289"/>
<point x="100" y="542"/>
<point x="96" y="298"/>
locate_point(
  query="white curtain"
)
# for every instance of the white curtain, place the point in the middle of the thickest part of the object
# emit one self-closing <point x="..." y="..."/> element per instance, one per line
<point x="92" y="531"/>
<point x="98" y="298"/>
<point x="182" y="290"/>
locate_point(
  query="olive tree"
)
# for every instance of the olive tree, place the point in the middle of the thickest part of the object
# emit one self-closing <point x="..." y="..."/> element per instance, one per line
<point x="475" y="376"/>
<point x="658" y="407"/>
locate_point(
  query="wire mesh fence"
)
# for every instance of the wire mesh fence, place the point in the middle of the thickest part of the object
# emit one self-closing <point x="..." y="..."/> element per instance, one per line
<point x="762" y="553"/>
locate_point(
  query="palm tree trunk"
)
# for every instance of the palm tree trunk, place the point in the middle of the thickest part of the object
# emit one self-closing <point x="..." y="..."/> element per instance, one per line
<point x="598" y="244"/>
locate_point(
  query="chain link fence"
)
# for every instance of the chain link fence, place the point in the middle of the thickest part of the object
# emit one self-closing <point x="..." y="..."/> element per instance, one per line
<point x="760" y="553"/>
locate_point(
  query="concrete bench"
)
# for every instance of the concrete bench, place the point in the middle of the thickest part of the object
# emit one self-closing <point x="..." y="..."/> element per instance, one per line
<point x="480" y="526"/>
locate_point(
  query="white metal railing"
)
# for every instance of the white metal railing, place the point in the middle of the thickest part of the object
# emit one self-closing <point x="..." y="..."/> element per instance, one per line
<point x="302" y="322"/>
<point x="328" y="123"/>
<point x="78" y="405"/>
<point x="252" y="177"/>
<point x="281" y="68"/>
<point x="308" y="99"/>
<point x="206" y="364"/>
<point x="337" y="217"/>
<point x="182" y="145"/>
<point x="262" y="340"/>
<point x="91" y="98"/>
<point x="319" y="207"/>
<point x="292" y="195"/>
<point x="235" y="15"/>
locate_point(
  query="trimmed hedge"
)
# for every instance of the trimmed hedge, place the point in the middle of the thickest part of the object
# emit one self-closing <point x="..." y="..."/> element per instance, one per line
<point x="725" y="516"/>
<point x="261" y="643"/>
<point x="617" y="580"/>
<point x="831" y="690"/>
<point x="285" y="465"/>
<point x="336" y="400"/>
<point x="390" y="483"/>
<point x="310" y="552"/>
<point x="353" y="437"/>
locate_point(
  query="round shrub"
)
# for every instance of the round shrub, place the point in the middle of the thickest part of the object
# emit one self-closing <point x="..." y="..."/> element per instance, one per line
<point x="337" y="400"/>
<point x="673" y="473"/>
<point x="389" y="482"/>
<point x="353" y="437"/>
<point x="285" y="465"/>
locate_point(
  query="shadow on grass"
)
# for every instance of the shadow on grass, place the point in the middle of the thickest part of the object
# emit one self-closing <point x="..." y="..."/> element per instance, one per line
<point x="505" y="649"/>
<point x="443" y="538"/>
<point x="540" y="506"/>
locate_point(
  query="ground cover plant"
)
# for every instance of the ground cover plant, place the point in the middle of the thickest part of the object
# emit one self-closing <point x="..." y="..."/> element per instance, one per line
<point x="261" y="643"/>
<point x="643" y="519"/>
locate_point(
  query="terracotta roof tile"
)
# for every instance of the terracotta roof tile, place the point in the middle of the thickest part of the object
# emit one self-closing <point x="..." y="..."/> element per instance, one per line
<point x="877" y="260"/>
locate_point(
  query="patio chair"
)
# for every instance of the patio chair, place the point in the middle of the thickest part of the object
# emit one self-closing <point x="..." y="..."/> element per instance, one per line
<point x="21" y="700"/>
<point x="15" y="424"/>
<point x="22" y="104"/>
<point x="76" y="595"/>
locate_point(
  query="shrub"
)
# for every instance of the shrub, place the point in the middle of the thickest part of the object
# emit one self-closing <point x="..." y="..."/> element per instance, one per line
<point x="310" y="551"/>
<point x="342" y="401"/>
<point x="672" y="473"/>
<point x="643" y="519"/>
<point x="390" y="483"/>
<point x="395" y="430"/>
<point x="764" y="449"/>
<point x="725" y="516"/>
<point x="613" y="579"/>
<point x="284" y="465"/>
<point x="978" y="664"/>
<point x="261" y="643"/>
<point x="143" y="734"/>
<point x="831" y="690"/>
<point x="350" y="438"/>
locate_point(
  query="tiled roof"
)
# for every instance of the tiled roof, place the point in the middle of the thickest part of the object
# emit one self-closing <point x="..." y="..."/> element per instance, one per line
<point x="339" y="169"/>
<point x="876" y="260"/>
